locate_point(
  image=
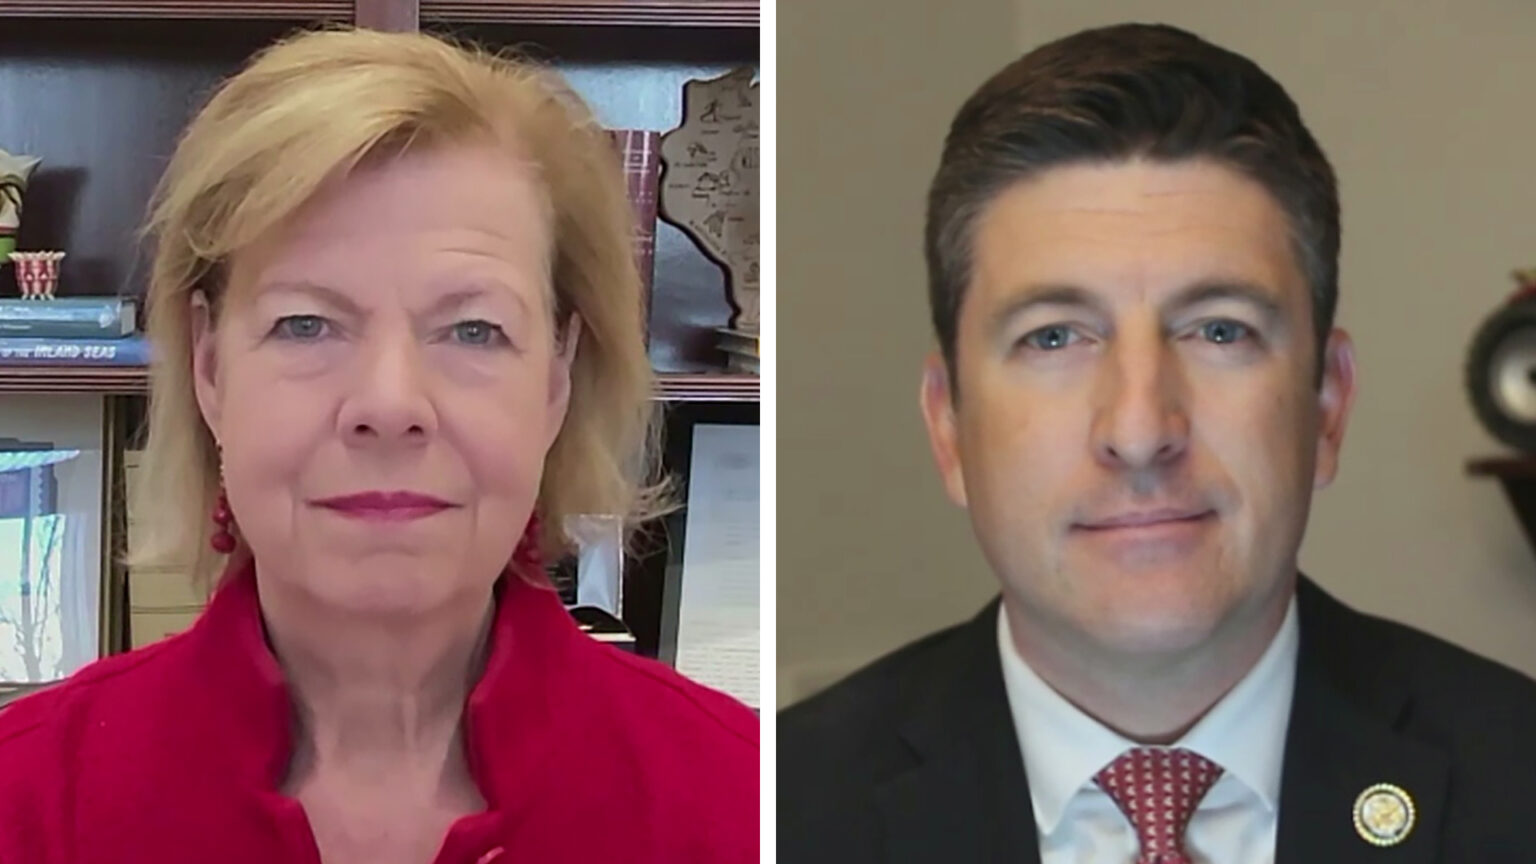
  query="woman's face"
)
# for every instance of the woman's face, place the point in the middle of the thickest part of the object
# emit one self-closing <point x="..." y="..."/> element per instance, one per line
<point x="385" y="381"/>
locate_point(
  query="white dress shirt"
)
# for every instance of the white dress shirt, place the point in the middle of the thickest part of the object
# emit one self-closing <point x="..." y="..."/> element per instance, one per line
<point x="1064" y="748"/>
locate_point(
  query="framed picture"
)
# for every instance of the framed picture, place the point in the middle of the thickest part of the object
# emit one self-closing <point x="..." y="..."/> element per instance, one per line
<point x="56" y="463"/>
<point x="708" y="605"/>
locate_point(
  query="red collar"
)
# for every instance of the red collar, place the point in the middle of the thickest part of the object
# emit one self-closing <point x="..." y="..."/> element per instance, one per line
<point x="509" y="718"/>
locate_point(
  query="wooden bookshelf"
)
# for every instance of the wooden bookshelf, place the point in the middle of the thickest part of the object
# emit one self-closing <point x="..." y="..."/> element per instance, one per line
<point x="620" y="13"/>
<point x="134" y="381"/>
<point x="208" y="10"/>
<point x="565" y="13"/>
<point x="108" y="381"/>
<point x="100" y="89"/>
<point x="713" y="387"/>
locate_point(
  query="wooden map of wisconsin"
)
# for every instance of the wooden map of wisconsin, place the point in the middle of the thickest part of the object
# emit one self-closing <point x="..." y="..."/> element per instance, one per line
<point x="710" y="186"/>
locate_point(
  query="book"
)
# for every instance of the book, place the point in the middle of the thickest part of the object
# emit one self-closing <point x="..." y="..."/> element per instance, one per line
<point x="742" y="351"/>
<point x="30" y="351"/>
<point x="640" y="150"/>
<point x="66" y="329"/>
<point x="70" y="318"/>
<point x="738" y="342"/>
<point x="742" y="364"/>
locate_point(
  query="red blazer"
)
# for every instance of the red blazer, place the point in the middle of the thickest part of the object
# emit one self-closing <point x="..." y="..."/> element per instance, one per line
<point x="173" y="753"/>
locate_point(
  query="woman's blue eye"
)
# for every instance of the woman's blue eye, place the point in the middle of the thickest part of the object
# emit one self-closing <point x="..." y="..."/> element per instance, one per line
<point x="477" y="332"/>
<point x="300" y="327"/>
<point x="1051" y="338"/>
<point x="1225" y="331"/>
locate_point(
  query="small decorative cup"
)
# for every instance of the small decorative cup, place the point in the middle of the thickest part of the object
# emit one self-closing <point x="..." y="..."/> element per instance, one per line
<point x="37" y="273"/>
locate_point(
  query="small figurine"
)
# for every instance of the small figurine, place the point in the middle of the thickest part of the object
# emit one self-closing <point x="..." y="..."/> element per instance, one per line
<point x="15" y="171"/>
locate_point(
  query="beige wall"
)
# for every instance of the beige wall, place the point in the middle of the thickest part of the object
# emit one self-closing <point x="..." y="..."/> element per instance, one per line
<point x="1428" y="113"/>
<point x="869" y="552"/>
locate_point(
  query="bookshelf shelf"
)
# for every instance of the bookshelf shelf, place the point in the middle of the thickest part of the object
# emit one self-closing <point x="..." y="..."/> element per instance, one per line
<point x="621" y="13"/>
<point x="611" y="13"/>
<point x="114" y="380"/>
<point x="708" y="387"/>
<point x="208" y="10"/>
<point x="134" y="380"/>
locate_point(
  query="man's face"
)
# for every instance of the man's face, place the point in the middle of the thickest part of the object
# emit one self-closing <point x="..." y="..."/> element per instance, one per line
<point x="1136" y="428"/>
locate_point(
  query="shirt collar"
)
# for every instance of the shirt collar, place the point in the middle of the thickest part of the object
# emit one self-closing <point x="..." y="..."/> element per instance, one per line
<point x="1063" y="748"/>
<point x="1245" y="731"/>
<point x="509" y="716"/>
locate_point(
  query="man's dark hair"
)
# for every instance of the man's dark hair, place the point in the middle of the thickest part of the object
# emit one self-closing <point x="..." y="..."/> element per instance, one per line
<point x="1118" y="93"/>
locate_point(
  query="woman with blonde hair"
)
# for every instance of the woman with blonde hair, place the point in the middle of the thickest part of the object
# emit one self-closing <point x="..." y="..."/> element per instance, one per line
<point x="396" y="322"/>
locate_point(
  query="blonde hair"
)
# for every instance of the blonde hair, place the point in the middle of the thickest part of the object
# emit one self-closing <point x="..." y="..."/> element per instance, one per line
<point x="315" y="106"/>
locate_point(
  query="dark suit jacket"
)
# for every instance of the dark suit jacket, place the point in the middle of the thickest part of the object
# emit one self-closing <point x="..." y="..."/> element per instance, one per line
<point x="915" y="758"/>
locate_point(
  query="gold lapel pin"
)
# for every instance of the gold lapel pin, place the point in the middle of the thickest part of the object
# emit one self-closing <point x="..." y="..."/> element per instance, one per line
<point x="1384" y="815"/>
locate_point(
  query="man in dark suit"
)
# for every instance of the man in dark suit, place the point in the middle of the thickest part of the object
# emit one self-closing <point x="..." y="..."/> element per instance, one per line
<point x="1133" y="243"/>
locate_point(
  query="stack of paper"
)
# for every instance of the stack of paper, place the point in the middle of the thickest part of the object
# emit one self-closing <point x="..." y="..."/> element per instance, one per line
<point x="717" y="630"/>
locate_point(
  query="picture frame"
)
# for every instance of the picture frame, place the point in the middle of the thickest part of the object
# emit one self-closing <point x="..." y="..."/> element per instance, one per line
<point x="684" y="422"/>
<point x="58" y="460"/>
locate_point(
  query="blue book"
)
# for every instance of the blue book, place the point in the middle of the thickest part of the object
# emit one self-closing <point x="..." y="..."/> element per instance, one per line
<point x="70" y="317"/>
<point x="26" y="351"/>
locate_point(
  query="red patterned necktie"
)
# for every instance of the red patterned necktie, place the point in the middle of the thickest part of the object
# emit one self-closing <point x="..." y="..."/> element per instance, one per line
<point x="1158" y="789"/>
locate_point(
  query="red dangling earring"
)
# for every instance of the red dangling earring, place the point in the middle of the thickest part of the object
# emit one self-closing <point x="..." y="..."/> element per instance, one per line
<point x="528" y="557"/>
<point x="223" y="541"/>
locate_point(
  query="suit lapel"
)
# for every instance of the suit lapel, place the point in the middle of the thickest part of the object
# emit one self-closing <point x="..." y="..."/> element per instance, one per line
<point x="967" y="798"/>
<point x="1345" y="737"/>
